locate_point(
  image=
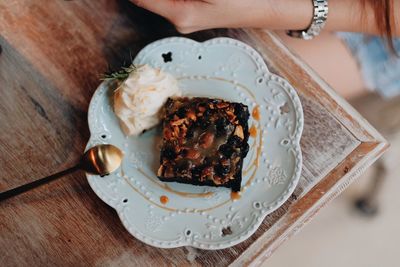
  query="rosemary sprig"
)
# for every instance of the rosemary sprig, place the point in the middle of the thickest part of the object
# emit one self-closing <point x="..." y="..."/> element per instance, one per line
<point x="119" y="75"/>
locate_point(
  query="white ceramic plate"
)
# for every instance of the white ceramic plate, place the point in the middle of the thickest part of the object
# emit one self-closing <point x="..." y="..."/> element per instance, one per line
<point x="203" y="217"/>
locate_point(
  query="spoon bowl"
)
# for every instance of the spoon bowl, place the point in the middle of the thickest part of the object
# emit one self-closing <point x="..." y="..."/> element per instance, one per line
<point x="102" y="159"/>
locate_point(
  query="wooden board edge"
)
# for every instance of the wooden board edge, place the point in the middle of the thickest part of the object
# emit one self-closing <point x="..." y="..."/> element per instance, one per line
<point x="304" y="209"/>
<point x="340" y="108"/>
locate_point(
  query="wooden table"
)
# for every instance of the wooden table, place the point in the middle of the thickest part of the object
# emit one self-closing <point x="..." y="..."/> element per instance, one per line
<point x="52" y="55"/>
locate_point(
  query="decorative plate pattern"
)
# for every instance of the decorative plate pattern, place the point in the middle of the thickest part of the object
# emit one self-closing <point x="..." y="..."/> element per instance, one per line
<point x="203" y="217"/>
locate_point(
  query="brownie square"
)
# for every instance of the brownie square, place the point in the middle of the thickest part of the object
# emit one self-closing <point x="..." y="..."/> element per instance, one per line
<point x="204" y="142"/>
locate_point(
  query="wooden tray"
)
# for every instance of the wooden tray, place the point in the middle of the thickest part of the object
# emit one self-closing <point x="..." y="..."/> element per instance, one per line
<point x="52" y="55"/>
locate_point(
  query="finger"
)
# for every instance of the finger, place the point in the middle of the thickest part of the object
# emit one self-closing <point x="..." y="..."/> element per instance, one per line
<point x="165" y="8"/>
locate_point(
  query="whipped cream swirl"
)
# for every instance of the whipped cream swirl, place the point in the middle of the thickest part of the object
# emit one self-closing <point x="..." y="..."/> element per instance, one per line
<point x="139" y="99"/>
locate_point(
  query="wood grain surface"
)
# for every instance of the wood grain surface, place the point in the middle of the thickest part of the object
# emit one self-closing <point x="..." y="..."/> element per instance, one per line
<point x="52" y="54"/>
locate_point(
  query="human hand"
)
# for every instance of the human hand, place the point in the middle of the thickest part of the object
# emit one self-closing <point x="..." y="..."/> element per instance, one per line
<point x="195" y="15"/>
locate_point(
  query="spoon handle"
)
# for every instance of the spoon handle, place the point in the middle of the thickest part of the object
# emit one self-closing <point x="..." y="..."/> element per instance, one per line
<point x="26" y="187"/>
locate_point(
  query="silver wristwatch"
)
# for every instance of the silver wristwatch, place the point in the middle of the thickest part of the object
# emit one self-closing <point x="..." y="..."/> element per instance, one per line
<point x="318" y="22"/>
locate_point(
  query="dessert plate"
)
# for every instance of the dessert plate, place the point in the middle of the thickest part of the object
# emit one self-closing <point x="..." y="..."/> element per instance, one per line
<point x="171" y="215"/>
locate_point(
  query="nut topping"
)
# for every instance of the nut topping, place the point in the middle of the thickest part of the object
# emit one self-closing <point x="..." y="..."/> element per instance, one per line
<point x="192" y="154"/>
<point x="178" y="122"/>
<point x="206" y="140"/>
<point x="231" y="116"/>
<point x="239" y="132"/>
<point x="160" y="170"/>
<point x="191" y="115"/>
<point x="222" y="105"/>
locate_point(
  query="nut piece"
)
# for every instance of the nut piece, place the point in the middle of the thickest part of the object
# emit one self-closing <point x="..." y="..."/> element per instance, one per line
<point x="179" y="122"/>
<point x="192" y="154"/>
<point x="192" y="116"/>
<point x="160" y="171"/>
<point x="183" y="131"/>
<point x="217" y="180"/>
<point x="176" y="131"/>
<point x="207" y="173"/>
<point x="167" y="133"/>
<point x="206" y="140"/>
<point x="239" y="132"/>
<point x="222" y="105"/>
<point x="169" y="172"/>
<point x="231" y="116"/>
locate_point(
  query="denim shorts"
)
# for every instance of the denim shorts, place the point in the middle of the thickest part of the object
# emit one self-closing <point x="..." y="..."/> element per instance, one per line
<point x="380" y="69"/>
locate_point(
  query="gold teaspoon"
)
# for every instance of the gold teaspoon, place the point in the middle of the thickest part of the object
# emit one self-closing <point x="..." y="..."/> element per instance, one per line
<point x="100" y="160"/>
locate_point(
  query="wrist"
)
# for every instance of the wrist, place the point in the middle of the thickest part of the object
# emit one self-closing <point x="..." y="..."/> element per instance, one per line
<point x="288" y="14"/>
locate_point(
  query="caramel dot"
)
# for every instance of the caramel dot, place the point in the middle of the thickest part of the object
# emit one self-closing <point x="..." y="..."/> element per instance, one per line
<point x="235" y="195"/>
<point x="164" y="199"/>
<point x="256" y="113"/>
<point x="253" y="131"/>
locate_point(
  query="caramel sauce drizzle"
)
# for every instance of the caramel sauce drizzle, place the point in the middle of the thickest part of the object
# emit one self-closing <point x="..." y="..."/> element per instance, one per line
<point x="253" y="131"/>
<point x="256" y="162"/>
<point x="179" y="193"/>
